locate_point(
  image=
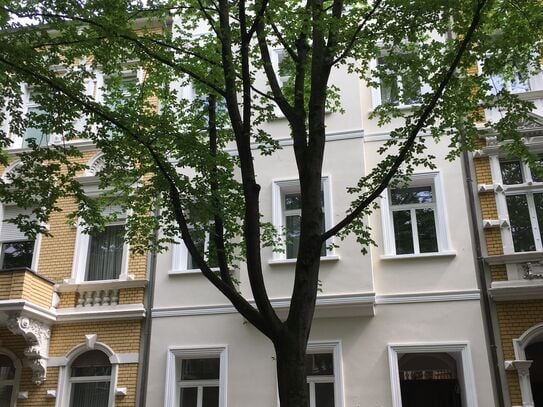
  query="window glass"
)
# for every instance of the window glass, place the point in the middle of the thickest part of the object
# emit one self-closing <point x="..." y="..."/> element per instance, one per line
<point x="403" y="235"/>
<point x="537" y="175"/>
<point x="319" y="364"/>
<point x="426" y="228"/>
<point x="200" y="369"/>
<point x="206" y="246"/>
<point x="90" y="376"/>
<point x="411" y="195"/>
<point x="521" y="226"/>
<point x="324" y="394"/>
<point x="17" y="254"/>
<point x="188" y="397"/>
<point x="106" y="253"/>
<point x="210" y="396"/>
<point x="7" y="369"/>
<point x="199" y="382"/>
<point x="511" y="172"/>
<point x="320" y="379"/>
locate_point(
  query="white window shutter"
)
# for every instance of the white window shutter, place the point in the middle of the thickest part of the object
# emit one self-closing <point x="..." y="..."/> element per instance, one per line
<point x="9" y="232"/>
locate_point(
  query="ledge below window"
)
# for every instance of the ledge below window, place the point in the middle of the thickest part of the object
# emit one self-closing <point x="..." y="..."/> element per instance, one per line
<point x="445" y="253"/>
<point x="330" y="257"/>
<point x="188" y="272"/>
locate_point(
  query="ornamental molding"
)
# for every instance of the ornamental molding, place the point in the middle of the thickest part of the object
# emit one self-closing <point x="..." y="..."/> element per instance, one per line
<point x="37" y="335"/>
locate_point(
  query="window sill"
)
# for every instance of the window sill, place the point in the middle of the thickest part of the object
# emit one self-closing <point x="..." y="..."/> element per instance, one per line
<point x="330" y="257"/>
<point x="188" y="272"/>
<point x="100" y="285"/>
<point x="445" y="253"/>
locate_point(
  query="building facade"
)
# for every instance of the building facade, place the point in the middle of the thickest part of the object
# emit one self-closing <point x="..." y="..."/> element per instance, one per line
<point x="510" y="216"/>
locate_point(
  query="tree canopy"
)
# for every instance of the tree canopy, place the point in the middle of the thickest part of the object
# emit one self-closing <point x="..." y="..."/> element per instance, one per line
<point x="177" y="96"/>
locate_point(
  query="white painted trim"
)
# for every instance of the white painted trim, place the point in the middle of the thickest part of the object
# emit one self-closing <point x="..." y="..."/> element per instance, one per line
<point x="280" y="186"/>
<point x="105" y="312"/>
<point x="461" y="348"/>
<point x="445" y="253"/>
<point x="100" y="285"/>
<point x="120" y="358"/>
<point x="28" y="309"/>
<point x="423" y="297"/>
<point x="513" y="290"/>
<point x="335" y="348"/>
<point x="433" y="179"/>
<point x="193" y="352"/>
<point x="327" y="258"/>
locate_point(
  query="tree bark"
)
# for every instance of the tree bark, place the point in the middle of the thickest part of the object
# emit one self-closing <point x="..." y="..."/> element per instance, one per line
<point x="291" y="376"/>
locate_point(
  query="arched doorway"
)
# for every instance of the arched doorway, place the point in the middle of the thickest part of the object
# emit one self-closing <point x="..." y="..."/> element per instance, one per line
<point x="534" y="352"/>
<point x="429" y="380"/>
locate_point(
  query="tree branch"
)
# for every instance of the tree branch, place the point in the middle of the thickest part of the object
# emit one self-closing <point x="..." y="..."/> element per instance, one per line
<point x="464" y="45"/>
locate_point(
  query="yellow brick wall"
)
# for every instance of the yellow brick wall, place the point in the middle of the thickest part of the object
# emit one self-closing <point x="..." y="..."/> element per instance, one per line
<point x="67" y="300"/>
<point x="121" y="336"/>
<point x="131" y="296"/>
<point x="487" y="201"/>
<point x="127" y="377"/>
<point x="37" y="290"/>
<point x="494" y="244"/>
<point x="498" y="272"/>
<point x="482" y="170"/>
<point x="514" y="318"/>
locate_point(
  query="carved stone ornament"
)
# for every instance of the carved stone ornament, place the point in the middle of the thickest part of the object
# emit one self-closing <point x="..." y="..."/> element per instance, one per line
<point x="36" y="335"/>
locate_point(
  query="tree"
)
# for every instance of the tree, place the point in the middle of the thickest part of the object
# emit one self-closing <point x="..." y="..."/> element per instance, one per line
<point x="170" y="166"/>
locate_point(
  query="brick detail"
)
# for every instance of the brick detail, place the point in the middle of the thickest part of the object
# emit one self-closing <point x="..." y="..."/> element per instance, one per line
<point x="25" y="285"/>
<point x="67" y="300"/>
<point x="131" y="296"/>
<point x="498" y="272"/>
<point x="493" y="239"/>
<point x="487" y="201"/>
<point x="514" y="318"/>
<point x="483" y="174"/>
<point x="127" y="377"/>
<point x="121" y="336"/>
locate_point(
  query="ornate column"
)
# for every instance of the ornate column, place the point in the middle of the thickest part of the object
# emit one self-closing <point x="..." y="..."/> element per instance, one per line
<point x="37" y="335"/>
<point x="523" y="369"/>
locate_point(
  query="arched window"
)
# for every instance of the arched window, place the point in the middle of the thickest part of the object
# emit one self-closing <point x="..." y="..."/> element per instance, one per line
<point x="8" y="372"/>
<point x="90" y="380"/>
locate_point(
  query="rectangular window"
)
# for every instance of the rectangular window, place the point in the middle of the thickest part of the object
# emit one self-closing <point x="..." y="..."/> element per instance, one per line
<point x="414" y="219"/>
<point x="320" y="379"/>
<point x="196" y="377"/>
<point x="398" y="89"/>
<point x="288" y="214"/>
<point x="518" y="84"/>
<point x="33" y="109"/>
<point x="105" y="257"/>
<point x="206" y="246"/>
<point x="16" y="250"/>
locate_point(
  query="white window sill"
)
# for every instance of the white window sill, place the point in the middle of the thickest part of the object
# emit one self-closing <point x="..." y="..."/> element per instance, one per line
<point x="445" y="253"/>
<point x="399" y="107"/>
<point x="188" y="272"/>
<point x="330" y="257"/>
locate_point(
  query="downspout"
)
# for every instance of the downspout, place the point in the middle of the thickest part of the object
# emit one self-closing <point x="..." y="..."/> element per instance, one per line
<point x="485" y="297"/>
<point x="143" y="369"/>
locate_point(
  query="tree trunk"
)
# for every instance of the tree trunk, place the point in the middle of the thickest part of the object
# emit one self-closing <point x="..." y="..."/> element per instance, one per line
<point x="291" y="375"/>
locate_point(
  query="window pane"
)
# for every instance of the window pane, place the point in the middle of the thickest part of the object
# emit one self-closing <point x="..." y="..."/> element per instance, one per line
<point x="93" y="394"/>
<point x="210" y="397"/>
<point x="91" y="363"/>
<point x="293" y="201"/>
<point x="324" y="394"/>
<point x="521" y="227"/>
<point x="5" y="395"/>
<point x="17" y="254"/>
<point x="426" y="228"/>
<point x="34" y="133"/>
<point x="188" y="397"/>
<point x="317" y="364"/>
<point x="403" y="235"/>
<point x="7" y="369"/>
<point x="199" y="241"/>
<point x="293" y="235"/>
<point x="106" y="254"/>
<point x="537" y="175"/>
<point x="412" y="195"/>
<point x="511" y="172"/>
<point x="200" y="369"/>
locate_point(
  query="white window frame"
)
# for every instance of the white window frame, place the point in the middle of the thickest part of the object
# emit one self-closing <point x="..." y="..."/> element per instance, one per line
<point x="535" y="82"/>
<point x="37" y="241"/>
<point x="65" y="381"/>
<point x="178" y="353"/>
<point x="376" y="91"/>
<point x="459" y="350"/>
<point x="15" y="382"/>
<point x="334" y="348"/>
<point x="280" y="187"/>
<point x="527" y="188"/>
<point x="181" y="255"/>
<point x="433" y="179"/>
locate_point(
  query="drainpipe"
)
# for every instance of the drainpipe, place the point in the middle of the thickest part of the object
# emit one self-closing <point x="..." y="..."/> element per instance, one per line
<point x="485" y="297"/>
<point x="143" y="369"/>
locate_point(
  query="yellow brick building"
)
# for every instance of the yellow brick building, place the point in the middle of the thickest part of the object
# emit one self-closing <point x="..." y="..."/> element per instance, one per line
<point x="511" y="220"/>
<point x="68" y="329"/>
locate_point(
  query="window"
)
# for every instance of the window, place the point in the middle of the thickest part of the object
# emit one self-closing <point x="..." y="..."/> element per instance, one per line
<point x="196" y="377"/>
<point x="287" y="214"/>
<point x="324" y="375"/>
<point x="432" y="375"/>
<point x="414" y="217"/>
<point x="90" y="380"/>
<point x="106" y="250"/>
<point x="101" y="255"/>
<point x="523" y="191"/>
<point x="8" y="379"/>
<point x="518" y="84"/>
<point x="16" y="250"/>
<point x="282" y="68"/>
<point x="182" y="260"/>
